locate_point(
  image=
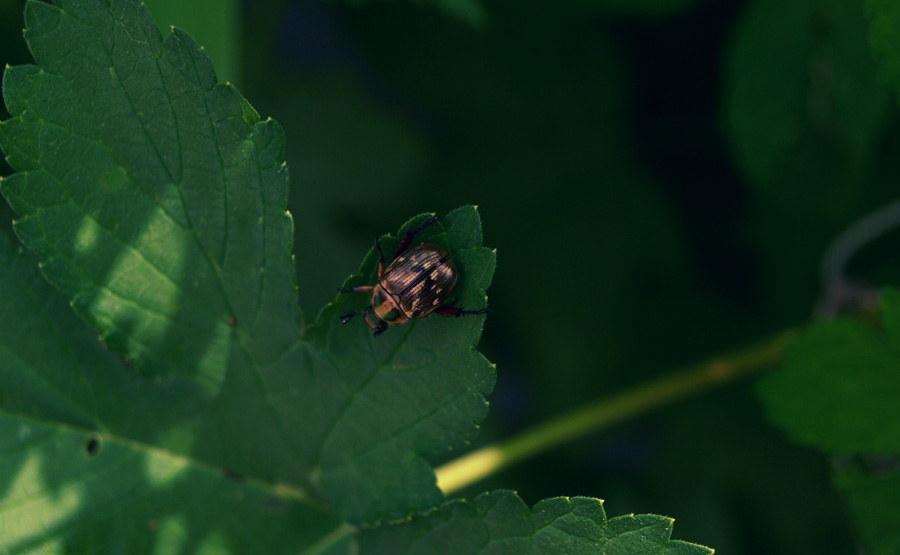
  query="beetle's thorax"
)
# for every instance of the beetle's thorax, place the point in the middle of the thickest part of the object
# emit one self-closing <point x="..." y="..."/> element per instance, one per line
<point x="386" y="308"/>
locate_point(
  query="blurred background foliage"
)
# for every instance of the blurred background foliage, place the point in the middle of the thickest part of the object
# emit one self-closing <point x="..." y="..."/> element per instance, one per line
<point x="660" y="179"/>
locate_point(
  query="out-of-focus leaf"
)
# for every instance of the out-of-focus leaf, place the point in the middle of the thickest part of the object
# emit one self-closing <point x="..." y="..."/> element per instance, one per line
<point x="838" y="389"/>
<point x="804" y="111"/>
<point x="873" y="495"/>
<point x="645" y="8"/>
<point x="469" y="11"/>
<point x="500" y="522"/>
<point x="802" y="78"/>
<point x="885" y="36"/>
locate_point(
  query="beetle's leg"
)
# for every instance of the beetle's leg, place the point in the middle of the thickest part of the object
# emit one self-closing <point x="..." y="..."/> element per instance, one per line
<point x="410" y="234"/>
<point x="369" y="315"/>
<point x="357" y="289"/>
<point x="347" y="316"/>
<point x="456" y="311"/>
<point x="380" y="329"/>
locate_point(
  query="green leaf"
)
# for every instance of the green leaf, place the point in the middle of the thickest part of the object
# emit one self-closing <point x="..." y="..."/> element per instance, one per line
<point x="838" y="389"/>
<point x="884" y="36"/>
<point x="425" y="371"/>
<point x="873" y="495"/>
<point x="155" y="238"/>
<point x="500" y="522"/>
<point x="155" y="198"/>
<point x="80" y="469"/>
<point x="803" y="93"/>
<point x="214" y="24"/>
<point x="469" y="11"/>
<point x="805" y="113"/>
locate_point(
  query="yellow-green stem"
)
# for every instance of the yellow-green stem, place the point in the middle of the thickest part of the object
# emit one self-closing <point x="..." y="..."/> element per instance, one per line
<point x="598" y="415"/>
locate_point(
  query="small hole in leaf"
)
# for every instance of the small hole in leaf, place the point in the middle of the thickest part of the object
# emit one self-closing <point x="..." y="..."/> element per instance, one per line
<point x="92" y="446"/>
<point x="274" y="505"/>
<point x="232" y="475"/>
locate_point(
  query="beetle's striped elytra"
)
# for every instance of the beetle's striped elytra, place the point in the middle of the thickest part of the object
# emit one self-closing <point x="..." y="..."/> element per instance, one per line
<point x="418" y="282"/>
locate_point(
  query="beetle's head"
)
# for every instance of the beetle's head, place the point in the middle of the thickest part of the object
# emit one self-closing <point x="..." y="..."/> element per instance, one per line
<point x="385" y="310"/>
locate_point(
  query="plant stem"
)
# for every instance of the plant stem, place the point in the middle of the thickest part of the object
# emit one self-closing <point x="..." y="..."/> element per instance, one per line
<point x="689" y="381"/>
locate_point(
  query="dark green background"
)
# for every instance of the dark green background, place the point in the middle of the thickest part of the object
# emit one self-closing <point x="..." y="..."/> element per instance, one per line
<point x="660" y="180"/>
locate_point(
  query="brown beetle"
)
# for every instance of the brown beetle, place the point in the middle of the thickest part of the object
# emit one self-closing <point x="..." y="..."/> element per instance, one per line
<point x="417" y="283"/>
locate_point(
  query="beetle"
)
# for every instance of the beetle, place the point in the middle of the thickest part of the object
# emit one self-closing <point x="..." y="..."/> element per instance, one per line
<point x="418" y="282"/>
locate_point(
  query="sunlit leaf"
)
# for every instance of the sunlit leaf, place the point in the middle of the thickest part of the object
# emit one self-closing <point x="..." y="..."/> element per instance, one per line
<point x="83" y="465"/>
<point x="156" y="200"/>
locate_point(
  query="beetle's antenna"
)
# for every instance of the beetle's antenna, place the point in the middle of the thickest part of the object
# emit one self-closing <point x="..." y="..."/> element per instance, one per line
<point x="410" y="234"/>
<point x="380" y="252"/>
<point x="419" y="229"/>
